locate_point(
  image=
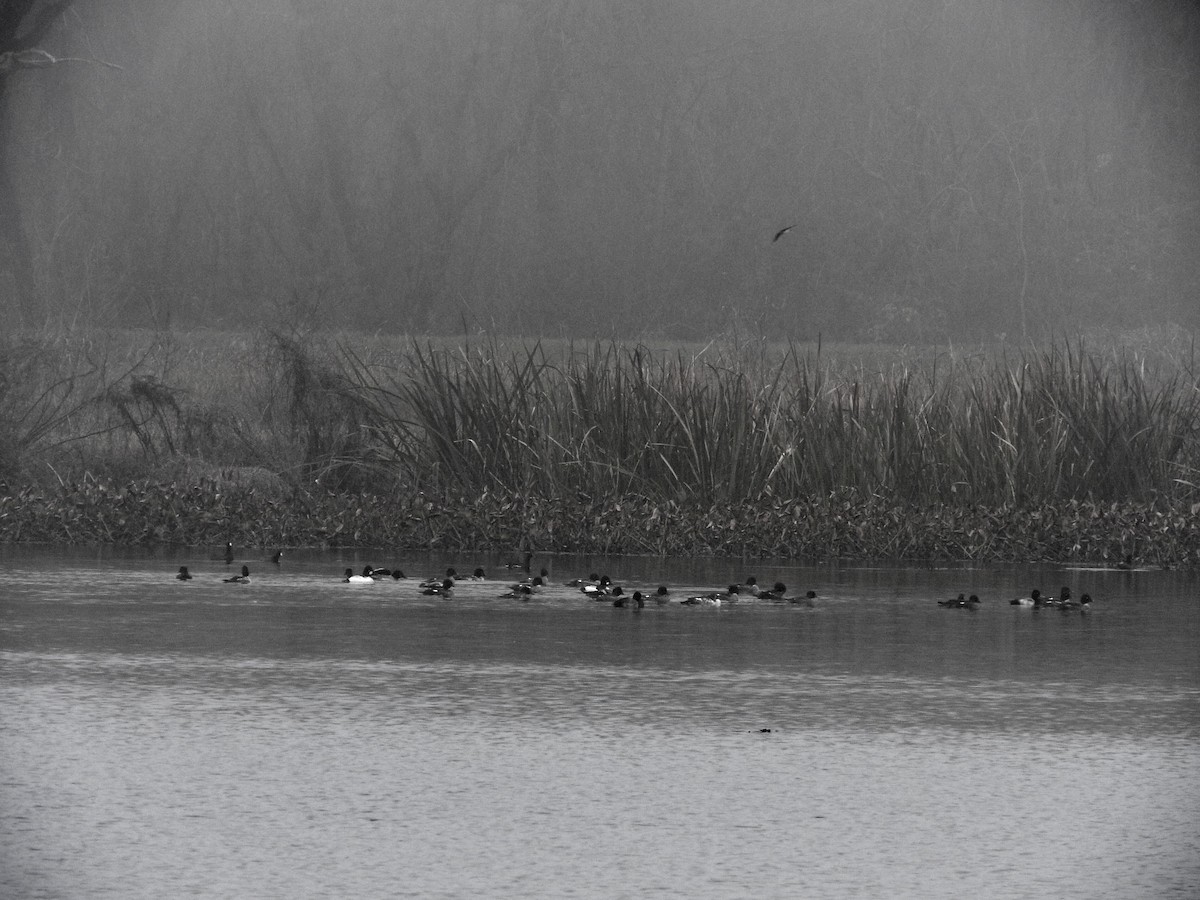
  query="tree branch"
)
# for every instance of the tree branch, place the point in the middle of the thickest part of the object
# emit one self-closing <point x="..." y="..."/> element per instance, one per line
<point x="39" y="26"/>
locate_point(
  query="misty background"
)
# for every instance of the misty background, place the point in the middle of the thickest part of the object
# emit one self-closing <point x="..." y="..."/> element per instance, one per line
<point x="610" y="168"/>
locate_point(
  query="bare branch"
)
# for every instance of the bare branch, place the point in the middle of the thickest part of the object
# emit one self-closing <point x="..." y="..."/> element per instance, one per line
<point x="40" y="59"/>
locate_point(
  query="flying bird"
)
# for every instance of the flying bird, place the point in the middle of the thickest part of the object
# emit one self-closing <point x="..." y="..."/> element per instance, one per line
<point x="781" y="232"/>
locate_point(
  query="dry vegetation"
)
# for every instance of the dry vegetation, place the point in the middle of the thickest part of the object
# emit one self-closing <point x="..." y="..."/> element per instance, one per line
<point x="1083" y="450"/>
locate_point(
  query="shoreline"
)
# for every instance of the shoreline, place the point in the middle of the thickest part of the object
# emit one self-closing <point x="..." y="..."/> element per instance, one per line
<point x="844" y="525"/>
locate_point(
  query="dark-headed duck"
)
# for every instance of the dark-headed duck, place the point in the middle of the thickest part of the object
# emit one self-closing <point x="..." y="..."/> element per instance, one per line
<point x="244" y="578"/>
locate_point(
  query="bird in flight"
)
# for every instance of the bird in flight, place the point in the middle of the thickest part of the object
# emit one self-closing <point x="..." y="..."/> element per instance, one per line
<point x="781" y="232"/>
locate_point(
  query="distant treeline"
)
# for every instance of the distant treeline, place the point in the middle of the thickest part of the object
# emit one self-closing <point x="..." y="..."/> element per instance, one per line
<point x="1067" y="451"/>
<point x="613" y="168"/>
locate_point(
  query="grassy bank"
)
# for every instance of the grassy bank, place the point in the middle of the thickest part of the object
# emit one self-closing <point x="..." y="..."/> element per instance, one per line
<point x="1072" y="451"/>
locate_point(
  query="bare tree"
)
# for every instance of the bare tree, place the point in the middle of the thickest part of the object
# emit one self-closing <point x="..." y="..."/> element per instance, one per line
<point x="24" y="25"/>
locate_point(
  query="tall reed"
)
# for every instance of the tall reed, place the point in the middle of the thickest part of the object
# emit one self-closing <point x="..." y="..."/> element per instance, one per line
<point x="607" y="420"/>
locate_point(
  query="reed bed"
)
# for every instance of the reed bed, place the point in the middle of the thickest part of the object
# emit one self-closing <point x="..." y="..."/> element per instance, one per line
<point x="1067" y="451"/>
<point x="1056" y="424"/>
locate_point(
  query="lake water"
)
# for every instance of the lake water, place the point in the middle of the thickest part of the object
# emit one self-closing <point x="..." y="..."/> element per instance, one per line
<point x="301" y="737"/>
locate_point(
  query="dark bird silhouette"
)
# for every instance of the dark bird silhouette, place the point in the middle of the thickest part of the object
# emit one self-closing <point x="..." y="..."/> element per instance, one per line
<point x="244" y="578"/>
<point x="781" y="232"/>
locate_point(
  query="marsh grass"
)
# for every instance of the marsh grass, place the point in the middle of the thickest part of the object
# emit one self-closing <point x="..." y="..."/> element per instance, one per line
<point x="1062" y="422"/>
<point x="724" y="423"/>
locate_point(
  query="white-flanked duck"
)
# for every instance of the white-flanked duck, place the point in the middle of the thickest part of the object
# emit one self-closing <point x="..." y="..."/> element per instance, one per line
<point x="364" y="578"/>
<point x="1034" y="599"/>
<point x="244" y="578"/>
<point x="582" y="582"/>
<point x="599" y="589"/>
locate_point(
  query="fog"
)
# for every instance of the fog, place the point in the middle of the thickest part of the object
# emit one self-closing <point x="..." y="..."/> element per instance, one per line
<point x="610" y="168"/>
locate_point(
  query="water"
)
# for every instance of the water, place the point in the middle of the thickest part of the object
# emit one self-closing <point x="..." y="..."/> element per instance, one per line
<point x="299" y="737"/>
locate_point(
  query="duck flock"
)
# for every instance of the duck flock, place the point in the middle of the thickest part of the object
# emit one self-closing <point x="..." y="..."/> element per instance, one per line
<point x="598" y="587"/>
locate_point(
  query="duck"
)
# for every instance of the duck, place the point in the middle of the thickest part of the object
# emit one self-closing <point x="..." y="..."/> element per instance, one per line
<point x="662" y="595"/>
<point x="597" y="589"/>
<point x="1034" y="599"/>
<point x="364" y="578"/>
<point x="244" y="578"/>
<point x="184" y="575"/>
<point x="436" y="580"/>
<point x="713" y="599"/>
<point x="1064" y="600"/>
<point x="520" y="565"/>
<point x="809" y="599"/>
<point x="276" y="557"/>
<point x="398" y="574"/>
<point x="445" y="589"/>
<point x="773" y="593"/>
<point x="1085" y="602"/>
<point x="749" y="586"/>
<point x="544" y="575"/>
<point x="636" y="600"/>
<point x="523" y="590"/>
<point x="479" y="575"/>
<point x="580" y="582"/>
<point x="960" y="600"/>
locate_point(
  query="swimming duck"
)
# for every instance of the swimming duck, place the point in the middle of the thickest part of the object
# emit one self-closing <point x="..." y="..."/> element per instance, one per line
<point x="397" y="574"/>
<point x="520" y="565"/>
<point x="364" y="578"/>
<point x="636" y="600"/>
<point x="479" y="575"/>
<point x="773" y="593"/>
<point x="662" y="595"/>
<point x="597" y="589"/>
<point x="244" y="578"/>
<point x="809" y="599"/>
<point x="184" y="575"/>
<point x="544" y="575"/>
<point x="581" y="582"/>
<point x="1064" y="600"/>
<point x="1034" y="599"/>
<point x="1085" y="602"/>
<point x="437" y="580"/>
<point x="523" y="590"/>
<point x="445" y="589"/>
<point x="713" y="599"/>
<point x="960" y="600"/>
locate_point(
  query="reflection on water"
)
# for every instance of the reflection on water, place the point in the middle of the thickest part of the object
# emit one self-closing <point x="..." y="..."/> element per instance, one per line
<point x="301" y="737"/>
